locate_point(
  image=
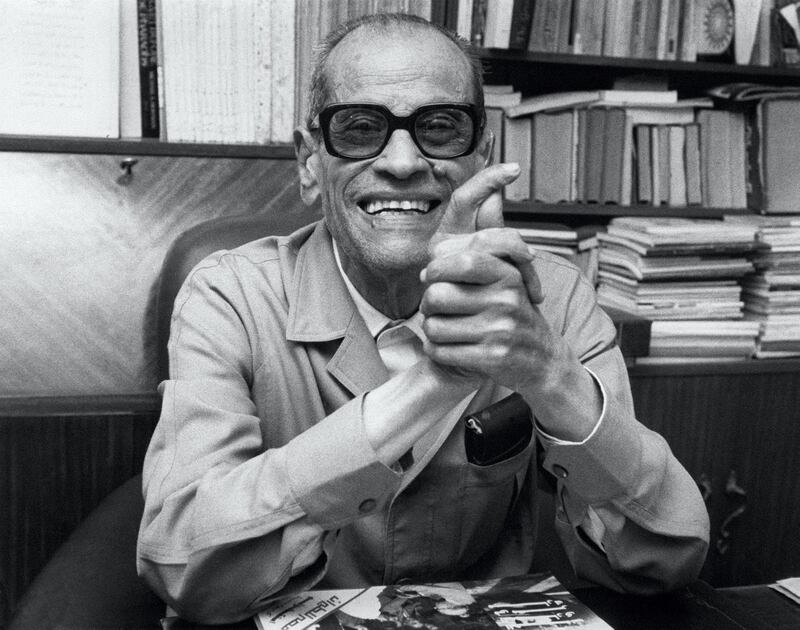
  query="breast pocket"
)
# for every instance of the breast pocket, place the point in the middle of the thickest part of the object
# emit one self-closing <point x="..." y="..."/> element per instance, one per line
<point x="487" y="497"/>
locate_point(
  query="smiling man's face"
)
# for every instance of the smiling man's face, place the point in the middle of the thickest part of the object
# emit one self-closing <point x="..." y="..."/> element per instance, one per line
<point x="383" y="211"/>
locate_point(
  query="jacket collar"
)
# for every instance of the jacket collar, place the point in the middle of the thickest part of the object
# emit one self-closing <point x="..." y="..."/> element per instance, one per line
<point x="321" y="310"/>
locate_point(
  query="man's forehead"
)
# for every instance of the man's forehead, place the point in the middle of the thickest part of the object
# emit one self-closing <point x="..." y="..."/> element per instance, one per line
<point x="387" y="62"/>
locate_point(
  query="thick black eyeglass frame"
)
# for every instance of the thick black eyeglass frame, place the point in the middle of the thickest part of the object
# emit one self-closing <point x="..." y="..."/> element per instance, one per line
<point x="406" y="123"/>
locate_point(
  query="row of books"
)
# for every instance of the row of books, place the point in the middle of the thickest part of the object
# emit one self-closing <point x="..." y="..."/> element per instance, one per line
<point x="623" y="147"/>
<point x="652" y="29"/>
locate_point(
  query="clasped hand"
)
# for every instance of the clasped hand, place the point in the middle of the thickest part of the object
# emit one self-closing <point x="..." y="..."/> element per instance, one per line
<point x="482" y="294"/>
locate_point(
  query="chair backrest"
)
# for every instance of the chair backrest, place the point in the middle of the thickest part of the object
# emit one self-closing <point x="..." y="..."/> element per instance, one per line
<point x="203" y="239"/>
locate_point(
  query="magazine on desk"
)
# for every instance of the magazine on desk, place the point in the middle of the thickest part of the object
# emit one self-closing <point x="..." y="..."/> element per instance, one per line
<point x="530" y="601"/>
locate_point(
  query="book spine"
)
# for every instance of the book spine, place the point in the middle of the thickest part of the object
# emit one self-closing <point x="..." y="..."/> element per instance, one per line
<point x="148" y="68"/>
<point x="613" y="156"/>
<point x="636" y="41"/>
<point x="544" y="31"/>
<point x="478" y="31"/>
<point x="464" y="28"/>
<point x="737" y="164"/>
<point x="451" y="15"/>
<point x="611" y="27"/>
<point x="655" y="165"/>
<point x="752" y="143"/>
<point x="595" y="132"/>
<point x="564" y="27"/>
<point x="687" y="50"/>
<point x="588" y="26"/>
<point x="643" y="167"/>
<point x="677" y="165"/>
<point x="651" y="20"/>
<point x="438" y="11"/>
<point x="673" y="30"/>
<point x="130" y="110"/>
<point x="521" y="20"/>
<point x="694" y="191"/>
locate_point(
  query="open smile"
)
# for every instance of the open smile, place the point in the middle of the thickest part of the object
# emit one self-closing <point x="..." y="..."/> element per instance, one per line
<point x="384" y="206"/>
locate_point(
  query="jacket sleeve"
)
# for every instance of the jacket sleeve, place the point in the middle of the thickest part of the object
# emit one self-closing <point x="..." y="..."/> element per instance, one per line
<point x="230" y="521"/>
<point x="647" y="523"/>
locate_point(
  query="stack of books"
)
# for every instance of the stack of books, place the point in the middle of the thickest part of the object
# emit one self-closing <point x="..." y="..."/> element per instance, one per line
<point x="772" y="293"/>
<point x="579" y="245"/>
<point x="685" y="275"/>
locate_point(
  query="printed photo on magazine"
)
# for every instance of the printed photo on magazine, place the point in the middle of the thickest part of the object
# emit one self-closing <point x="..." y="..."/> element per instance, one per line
<point x="530" y="601"/>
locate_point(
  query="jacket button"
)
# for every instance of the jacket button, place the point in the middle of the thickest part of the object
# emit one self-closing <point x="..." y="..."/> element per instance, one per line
<point x="560" y="471"/>
<point x="367" y="505"/>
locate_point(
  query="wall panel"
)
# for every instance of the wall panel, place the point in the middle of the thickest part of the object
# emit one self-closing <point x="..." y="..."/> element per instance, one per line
<point x="81" y="250"/>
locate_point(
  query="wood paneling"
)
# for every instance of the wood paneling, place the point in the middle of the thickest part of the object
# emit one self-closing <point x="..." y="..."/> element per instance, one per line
<point x="81" y="251"/>
<point x="748" y="425"/>
<point x="58" y="459"/>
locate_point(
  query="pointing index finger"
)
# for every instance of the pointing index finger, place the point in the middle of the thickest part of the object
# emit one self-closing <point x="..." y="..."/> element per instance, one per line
<point x="477" y="204"/>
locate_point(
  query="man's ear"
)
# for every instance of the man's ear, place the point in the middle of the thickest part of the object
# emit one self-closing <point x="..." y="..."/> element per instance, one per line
<point x="486" y="147"/>
<point x="308" y="166"/>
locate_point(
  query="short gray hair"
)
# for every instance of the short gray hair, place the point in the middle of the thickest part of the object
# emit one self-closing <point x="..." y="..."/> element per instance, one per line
<point x="319" y="88"/>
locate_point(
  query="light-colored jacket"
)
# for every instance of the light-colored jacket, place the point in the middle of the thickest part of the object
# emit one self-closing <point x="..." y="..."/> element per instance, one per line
<point x="259" y="479"/>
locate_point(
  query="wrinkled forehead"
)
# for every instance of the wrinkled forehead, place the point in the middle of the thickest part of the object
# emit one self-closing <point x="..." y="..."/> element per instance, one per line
<point x="400" y="67"/>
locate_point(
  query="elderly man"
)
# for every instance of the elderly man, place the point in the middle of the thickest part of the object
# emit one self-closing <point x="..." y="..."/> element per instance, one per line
<point x="312" y="429"/>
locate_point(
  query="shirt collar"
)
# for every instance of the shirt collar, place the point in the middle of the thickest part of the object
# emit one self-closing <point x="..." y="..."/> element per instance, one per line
<point x="375" y="320"/>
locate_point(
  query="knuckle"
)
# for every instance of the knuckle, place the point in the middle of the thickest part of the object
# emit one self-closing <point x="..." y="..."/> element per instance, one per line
<point x="434" y="298"/>
<point x="466" y="262"/>
<point x="508" y="300"/>
<point x="503" y="334"/>
<point x="497" y="353"/>
<point x="432" y="326"/>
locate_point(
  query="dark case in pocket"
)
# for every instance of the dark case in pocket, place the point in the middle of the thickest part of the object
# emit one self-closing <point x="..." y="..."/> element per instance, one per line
<point x="498" y="432"/>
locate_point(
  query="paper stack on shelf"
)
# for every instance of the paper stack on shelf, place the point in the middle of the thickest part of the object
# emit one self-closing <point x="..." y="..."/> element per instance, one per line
<point x="669" y="269"/>
<point x="578" y="244"/>
<point x="772" y="294"/>
<point x="702" y="340"/>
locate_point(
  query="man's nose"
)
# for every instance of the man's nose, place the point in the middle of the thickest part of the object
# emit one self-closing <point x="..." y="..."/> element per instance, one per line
<point x="401" y="157"/>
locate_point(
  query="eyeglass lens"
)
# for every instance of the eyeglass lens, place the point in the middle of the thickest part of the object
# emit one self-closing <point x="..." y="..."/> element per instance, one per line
<point x="359" y="132"/>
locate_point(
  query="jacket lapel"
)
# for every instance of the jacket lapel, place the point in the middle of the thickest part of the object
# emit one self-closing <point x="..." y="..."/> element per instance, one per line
<point x="321" y="310"/>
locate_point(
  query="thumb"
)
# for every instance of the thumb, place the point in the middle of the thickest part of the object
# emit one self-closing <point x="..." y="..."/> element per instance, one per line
<point x="478" y="203"/>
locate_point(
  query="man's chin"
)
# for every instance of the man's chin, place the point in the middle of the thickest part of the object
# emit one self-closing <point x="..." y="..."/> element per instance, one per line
<point x="400" y="258"/>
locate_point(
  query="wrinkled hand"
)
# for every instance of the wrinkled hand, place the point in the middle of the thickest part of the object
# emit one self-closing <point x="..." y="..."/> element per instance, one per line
<point x="481" y="295"/>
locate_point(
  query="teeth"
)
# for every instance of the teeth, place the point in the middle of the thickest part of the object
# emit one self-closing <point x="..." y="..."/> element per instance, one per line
<point x="418" y="205"/>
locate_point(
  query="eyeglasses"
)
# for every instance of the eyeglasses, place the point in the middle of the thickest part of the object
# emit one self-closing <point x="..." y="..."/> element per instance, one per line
<point x="359" y="131"/>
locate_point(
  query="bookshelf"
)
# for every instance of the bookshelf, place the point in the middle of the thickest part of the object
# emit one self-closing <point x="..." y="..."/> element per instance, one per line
<point x="505" y="65"/>
<point x="523" y="210"/>
<point x="143" y="146"/>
